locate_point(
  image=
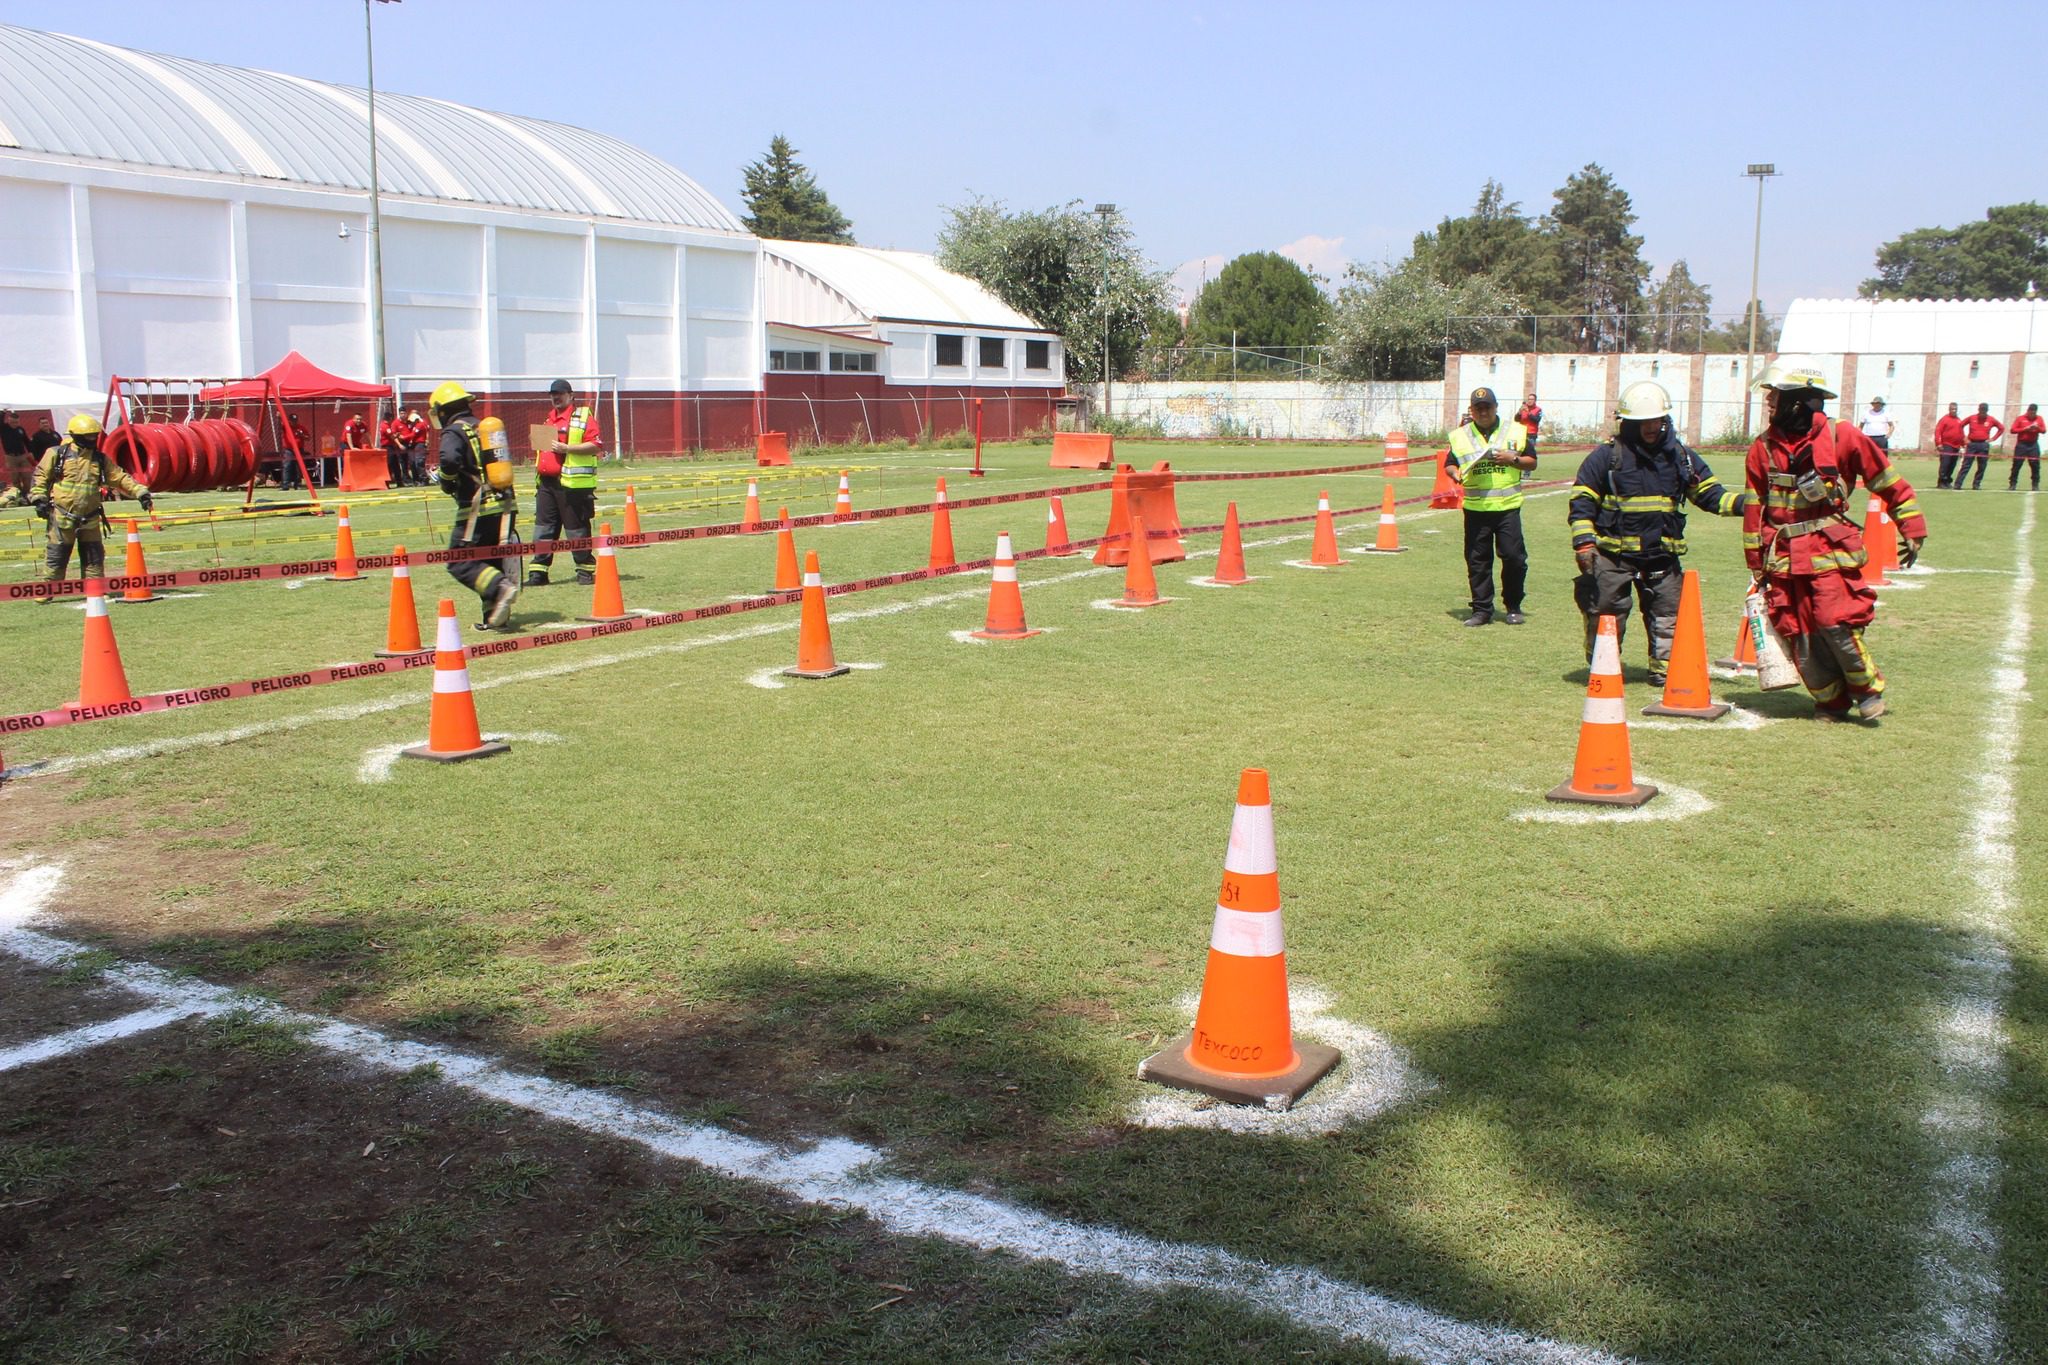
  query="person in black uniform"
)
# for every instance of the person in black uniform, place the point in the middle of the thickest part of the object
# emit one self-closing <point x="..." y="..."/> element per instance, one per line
<point x="1628" y="520"/>
<point x="486" y="503"/>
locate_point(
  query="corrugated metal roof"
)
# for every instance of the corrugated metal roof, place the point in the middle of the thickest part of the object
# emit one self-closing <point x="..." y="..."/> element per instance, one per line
<point x="906" y="285"/>
<point x="1915" y="326"/>
<point x="144" y="109"/>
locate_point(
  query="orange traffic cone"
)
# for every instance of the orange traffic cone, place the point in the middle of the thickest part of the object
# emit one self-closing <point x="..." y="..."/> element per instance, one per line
<point x="1448" y="492"/>
<point x="1601" y="775"/>
<point x="1743" y="660"/>
<point x="842" y="506"/>
<point x="814" y="636"/>
<point x="786" y="577"/>
<point x="632" y="512"/>
<point x="1388" y="540"/>
<point x="607" y="603"/>
<point x="1005" y="619"/>
<point x="1686" y="690"/>
<point x="1394" y="456"/>
<point x="101" y="679"/>
<point x="1141" y="585"/>
<point x="402" y="633"/>
<point x="452" y="733"/>
<point x="1325" y="551"/>
<point x="1230" y="557"/>
<point x="750" y="515"/>
<point x="942" y="532"/>
<point x="1243" y="1047"/>
<point x="344" y="551"/>
<point x="1056" y="530"/>
<point x="1880" y="545"/>
<point x="137" y="590"/>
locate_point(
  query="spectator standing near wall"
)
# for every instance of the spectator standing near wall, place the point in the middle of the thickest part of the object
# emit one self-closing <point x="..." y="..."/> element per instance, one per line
<point x="1878" y="424"/>
<point x="14" y="444"/>
<point x="1980" y="429"/>
<point x="1531" y="418"/>
<point x="1948" y="444"/>
<point x="2026" y="446"/>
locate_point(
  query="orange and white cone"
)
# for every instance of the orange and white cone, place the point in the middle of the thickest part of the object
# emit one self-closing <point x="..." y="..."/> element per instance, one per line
<point x="750" y="515"/>
<point x="101" y="679"/>
<point x="942" y="532"/>
<point x="1448" y="492"/>
<point x="1056" y="544"/>
<point x="1388" y="539"/>
<point x="1601" y="775"/>
<point x="814" y="636"/>
<point x="1243" y="1048"/>
<point x="787" y="579"/>
<point x="1324" y="554"/>
<point x="1005" y="620"/>
<point x="1743" y="660"/>
<point x="607" y="602"/>
<point x="632" y="512"/>
<point x="842" y="506"/>
<point x="1880" y="545"/>
<point x="1141" y="584"/>
<point x="452" y="733"/>
<point x="1687" y="692"/>
<point x="137" y="569"/>
<point x="402" y="632"/>
<point x="1230" y="556"/>
<point x="344" y="552"/>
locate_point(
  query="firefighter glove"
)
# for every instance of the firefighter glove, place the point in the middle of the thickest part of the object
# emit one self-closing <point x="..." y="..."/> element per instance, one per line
<point x="1585" y="557"/>
<point x="42" y="506"/>
<point x="148" y="502"/>
<point x="1911" y="554"/>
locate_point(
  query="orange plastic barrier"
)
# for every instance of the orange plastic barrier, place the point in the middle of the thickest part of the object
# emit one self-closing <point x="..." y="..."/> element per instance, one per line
<point x="771" y="448"/>
<point x="364" y="471"/>
<point x="1150" y="495"/>
<point x="1083" y="450"/>
<point x="1396" y="455"/>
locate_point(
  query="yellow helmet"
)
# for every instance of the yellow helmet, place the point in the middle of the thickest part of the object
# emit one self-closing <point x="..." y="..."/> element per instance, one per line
<point x="448" y="393"/>
<point x="83" y="425"/>
<point x="1790" y="378"/>
<point x="1643" y="401"/>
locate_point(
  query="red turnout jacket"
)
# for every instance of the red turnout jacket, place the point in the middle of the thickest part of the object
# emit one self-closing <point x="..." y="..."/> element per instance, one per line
<point x="1783" y="534"/>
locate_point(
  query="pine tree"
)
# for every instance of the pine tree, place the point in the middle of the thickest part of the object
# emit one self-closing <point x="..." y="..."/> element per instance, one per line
<point x="784" y="202"/>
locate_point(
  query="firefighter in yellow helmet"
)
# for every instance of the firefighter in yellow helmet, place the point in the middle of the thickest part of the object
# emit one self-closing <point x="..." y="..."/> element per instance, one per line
<point x="66" y="492"/>
<point x="480" y="481"/>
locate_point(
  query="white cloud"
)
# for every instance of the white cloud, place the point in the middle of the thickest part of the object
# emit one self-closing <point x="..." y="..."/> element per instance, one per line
<point x="1187" y="277"/>
<point x="1323" y="255"/>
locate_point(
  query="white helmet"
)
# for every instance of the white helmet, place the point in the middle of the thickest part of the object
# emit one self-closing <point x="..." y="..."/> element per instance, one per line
<point x="1790" y="378"/>
<point x="1644" y="401"/>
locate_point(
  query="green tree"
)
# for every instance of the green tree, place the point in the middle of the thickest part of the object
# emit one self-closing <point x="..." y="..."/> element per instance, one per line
<point x="1263" y="301"/>
<point x="1675" y="310"/>
<point x="1600" y="264"/>
<point x="1063" y="268"/>
<point x="784" y="203"/>
<point x="1496" y="240"/>
<point x="1395" y="322"/>
<point x="1997" y="257"/>
<point x="1732" y="336"/>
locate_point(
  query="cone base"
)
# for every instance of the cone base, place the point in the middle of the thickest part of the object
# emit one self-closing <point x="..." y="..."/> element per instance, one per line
<point x="1713" y="712"/>
<point x="352" y="578"/>
<point x="1376" y="550"/>
<point x="1129" y="602"/>
<point x="1277" y="1093"/>
<point x="1638" y="795"/>
<point x="402" y="653"/>
<point x="605" y="620"/>
<point x="136" y="601"/>
<point x="832" y="672"/>
<point x="1004" y="634"/>
<point x="484" y="750"/>
<point x="1326" y="563"/>
<point x="1215" y="582"/>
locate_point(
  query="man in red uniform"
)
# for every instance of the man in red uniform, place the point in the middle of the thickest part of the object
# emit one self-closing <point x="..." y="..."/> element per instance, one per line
<point x="391" y="435"/>
<point x="1531" y="418"/>
<point x="1948" y="443"/>
<point x="1805" y="549"/>
<point x="2026" y="446"/>
<point x="1980" y="429"/>
<point x="418" y="434"/>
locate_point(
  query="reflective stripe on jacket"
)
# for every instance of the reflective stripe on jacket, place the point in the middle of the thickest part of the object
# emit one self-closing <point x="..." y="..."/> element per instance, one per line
<point x="578" y="470"/>
<point x="1490" y="486"/>
<point x="1631" y="502"/>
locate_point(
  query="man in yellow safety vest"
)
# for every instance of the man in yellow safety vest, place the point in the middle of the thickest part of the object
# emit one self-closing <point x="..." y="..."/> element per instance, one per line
<point x="565" y="503"/>
<point x="1489" y="457"/>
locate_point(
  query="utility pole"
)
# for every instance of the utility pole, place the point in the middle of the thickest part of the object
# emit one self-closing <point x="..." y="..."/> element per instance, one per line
<point x="1105" y="212"/>
<point x="1761" y="171"/>
<point x="376" y="208"/>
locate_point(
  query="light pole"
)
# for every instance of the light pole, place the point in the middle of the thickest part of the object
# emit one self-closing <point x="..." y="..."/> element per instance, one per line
<point x="1761" y="171"/>
<point x="376" y="207"/>
<point x="1105" y="212"/>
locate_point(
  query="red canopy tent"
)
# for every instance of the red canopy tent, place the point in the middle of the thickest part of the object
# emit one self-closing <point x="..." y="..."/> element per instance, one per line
<point x="295" y="379"/>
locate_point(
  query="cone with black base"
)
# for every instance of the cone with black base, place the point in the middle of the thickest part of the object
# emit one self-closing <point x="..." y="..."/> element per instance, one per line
<point x="1687" y="692"/>
<point x="1243" y="1047"/>
<point x="1743" y="660"/>
<point x="814" y="657"/>
<point x="1601" y="771"/>
<point x="452" y="733"/>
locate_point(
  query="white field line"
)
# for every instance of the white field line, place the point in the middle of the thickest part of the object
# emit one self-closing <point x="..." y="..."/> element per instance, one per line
<point x="847" y="1174"/>
<point x="348" y="711"/>
<point x="92" y="1035"/>
<point x="1960" y="1260"/>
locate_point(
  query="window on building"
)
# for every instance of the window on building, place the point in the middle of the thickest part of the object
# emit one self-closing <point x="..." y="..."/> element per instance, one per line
<point x="994" y="355"/>
<point x="952" y="349"/>
<point x="792" y="362"/>
<point x="1038" y="355"/>
<point x="853" y="362"/>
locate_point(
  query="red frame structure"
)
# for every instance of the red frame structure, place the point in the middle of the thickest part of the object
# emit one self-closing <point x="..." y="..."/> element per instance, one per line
<point x="120" y="397"/>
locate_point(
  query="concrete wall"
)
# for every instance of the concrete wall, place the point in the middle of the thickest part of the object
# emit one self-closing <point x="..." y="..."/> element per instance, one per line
<point x="1281" y="411"/>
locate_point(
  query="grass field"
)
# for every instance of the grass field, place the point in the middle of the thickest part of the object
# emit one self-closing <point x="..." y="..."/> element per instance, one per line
<point x="1688" y="1094"/>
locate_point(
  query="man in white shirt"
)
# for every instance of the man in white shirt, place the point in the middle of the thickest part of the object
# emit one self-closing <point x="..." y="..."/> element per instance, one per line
<point x="1877" y="425"/>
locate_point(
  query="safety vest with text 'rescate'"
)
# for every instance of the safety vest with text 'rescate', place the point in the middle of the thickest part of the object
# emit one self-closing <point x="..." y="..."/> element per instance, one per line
<point x="1489" y="485"/>
<point x="579" y="470"/>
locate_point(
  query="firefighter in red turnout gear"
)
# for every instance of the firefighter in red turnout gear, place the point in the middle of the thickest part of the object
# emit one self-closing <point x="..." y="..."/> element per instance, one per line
<point x="1803" y="545"/>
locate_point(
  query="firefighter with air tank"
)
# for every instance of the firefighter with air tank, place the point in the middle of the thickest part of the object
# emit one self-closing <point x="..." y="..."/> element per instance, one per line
<point x="1628" y="520"/>
<point x="476" y="471"/>
<point x="66" y="491"/>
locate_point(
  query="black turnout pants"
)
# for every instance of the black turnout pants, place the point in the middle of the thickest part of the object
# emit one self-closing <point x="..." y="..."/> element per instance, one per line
<point x="1485" y="534"/>
<point x="482" y="576"/>
<point x="557" y="510"/>
<point x="2030" y="456"/>
<point x="1614" y="581"/>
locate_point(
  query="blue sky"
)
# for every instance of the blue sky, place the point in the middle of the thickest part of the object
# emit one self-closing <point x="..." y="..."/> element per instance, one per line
<point x="1332" y="131"/>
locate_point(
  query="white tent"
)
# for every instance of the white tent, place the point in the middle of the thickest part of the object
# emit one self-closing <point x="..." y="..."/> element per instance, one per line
<point x="24" y="393"/>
